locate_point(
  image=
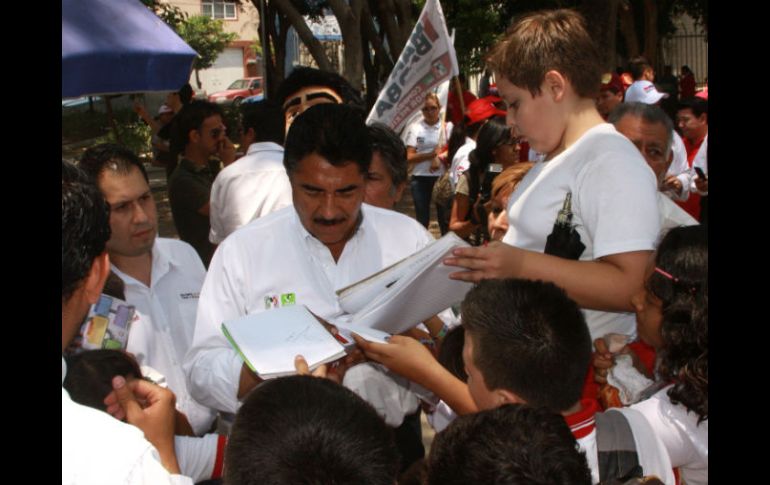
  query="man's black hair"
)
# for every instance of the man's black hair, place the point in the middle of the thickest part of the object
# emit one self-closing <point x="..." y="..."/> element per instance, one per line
<point x="698" y="105"/>
<point x="334" y="131"/>
<point x="637" y="66"/>
<point x="650" y="113"/>
<point x="512" y="444"/>
<point x="266" y="119"/>
<point x="189" y="118"/>
<point x="110" y="156"/>
<point x="528" y="338"/>
<point x="392" y="151"/>
<point x="305" y="430"/>
<point x="303" y="77"/>
<point x="186" y="94"/>
<point x="85" y="227"/>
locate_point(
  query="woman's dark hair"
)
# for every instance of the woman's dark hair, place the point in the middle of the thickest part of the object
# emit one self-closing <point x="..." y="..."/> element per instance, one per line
<point x="683" y="359"/>
<point x="493" y="134"/>
<point x="456" y="140"/>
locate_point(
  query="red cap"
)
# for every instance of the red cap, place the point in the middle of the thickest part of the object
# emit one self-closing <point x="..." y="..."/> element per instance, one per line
<point x="611" y="80"/>
<point x="482" y="109"/>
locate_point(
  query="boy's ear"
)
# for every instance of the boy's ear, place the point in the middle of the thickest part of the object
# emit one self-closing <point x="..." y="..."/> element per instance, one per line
<point x="94" y="282"/>
<point x="555" y="85"/>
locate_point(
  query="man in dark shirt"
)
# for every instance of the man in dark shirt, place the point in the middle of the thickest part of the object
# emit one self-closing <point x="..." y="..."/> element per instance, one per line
<point x="201" y="131"/>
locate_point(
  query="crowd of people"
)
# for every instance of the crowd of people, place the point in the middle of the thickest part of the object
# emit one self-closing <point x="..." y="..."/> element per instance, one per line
<point x="579" y="355"/>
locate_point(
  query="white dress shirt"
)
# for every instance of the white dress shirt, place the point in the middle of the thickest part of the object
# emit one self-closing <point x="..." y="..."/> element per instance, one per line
<point x="100" y="450"/>
<point x="162" y="335"/>
<point x="679" y="167"/>
<point x="251" y="187"/>
<point x="273" y="261"/>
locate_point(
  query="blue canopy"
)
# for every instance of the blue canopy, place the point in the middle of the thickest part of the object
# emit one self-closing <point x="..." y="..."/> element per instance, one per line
<point x="119" y="46"/>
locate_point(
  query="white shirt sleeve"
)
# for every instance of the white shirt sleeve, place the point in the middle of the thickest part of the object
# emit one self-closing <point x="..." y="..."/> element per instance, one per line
<point x="411" y="136"/>
<point x="196" y="455"/>
<point x="701" y="161"/>
<point x="212" y="366"/>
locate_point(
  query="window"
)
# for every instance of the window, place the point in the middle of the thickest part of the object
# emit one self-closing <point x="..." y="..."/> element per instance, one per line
<point x="219" y="9"/>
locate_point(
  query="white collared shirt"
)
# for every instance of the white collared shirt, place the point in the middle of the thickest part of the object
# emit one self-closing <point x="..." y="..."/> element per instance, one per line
<point x="163" y="333"/>
<point x="251" y="187"/>
<point x="700" y="160"/>
<point x="273" y="261"/>
<point x="679" y="167"/>
<point x="100" y="450"/>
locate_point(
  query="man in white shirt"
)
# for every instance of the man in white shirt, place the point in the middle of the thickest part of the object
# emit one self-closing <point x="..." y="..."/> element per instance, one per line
<point x="301" y="255"/>
<point x="97" y="448"/>
<point x="162" y="277"/>
<point x="255" y="184"/>
<point x="651" y="130"/>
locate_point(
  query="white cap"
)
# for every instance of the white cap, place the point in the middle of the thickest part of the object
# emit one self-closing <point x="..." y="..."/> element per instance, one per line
<point x="164" y="108"/>
<point x="643" y="92"/>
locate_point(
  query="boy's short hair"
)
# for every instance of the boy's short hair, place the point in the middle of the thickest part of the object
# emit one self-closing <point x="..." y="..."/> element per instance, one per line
<point x="266" y="119"/>
<point x="306" y="430"/>
<point x="549" y="40"/>
<point x="90" y="373"/>
<point x="528" y="338"/>
<point x="511" y="444"/>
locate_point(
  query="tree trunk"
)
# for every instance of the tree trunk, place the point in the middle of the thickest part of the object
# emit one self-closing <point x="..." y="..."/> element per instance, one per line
<point x="349" y="19"/>
<point x="298" y="22"/>
<point x="601" y="18"/>
<point x="386" y="13"/>
<point x="198" y="79"/>
<point x="651" y="31"/>
<point x="627" y="28"/>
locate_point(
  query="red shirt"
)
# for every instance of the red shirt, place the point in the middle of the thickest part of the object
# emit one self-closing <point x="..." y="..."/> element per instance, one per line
<point x="454" y="105"/>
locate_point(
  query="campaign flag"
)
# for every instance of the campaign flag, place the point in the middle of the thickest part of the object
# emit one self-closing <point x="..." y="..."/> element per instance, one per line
<point x="427" y="60"/>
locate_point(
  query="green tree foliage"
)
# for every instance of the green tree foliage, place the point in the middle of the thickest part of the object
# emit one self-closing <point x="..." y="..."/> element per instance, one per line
<point x="207" y="37"/>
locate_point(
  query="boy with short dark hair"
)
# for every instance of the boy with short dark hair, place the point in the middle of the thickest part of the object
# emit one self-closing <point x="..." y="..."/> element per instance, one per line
<point x="549" y="72"/>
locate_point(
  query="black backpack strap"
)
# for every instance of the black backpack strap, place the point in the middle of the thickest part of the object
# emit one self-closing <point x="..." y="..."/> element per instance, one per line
<point x="617" y="455"/>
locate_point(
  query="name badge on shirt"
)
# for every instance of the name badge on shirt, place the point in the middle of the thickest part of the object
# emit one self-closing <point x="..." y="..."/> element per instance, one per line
<point x="189" y="296"/>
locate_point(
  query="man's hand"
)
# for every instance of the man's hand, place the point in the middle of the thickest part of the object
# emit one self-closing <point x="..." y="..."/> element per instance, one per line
<point x="602" y="361"/>
<point x="496" y="261"/>
<point x="226" y="151"/>
<point x="701" y="185"/>
<point x="672" y="183"/>
<point x="150" y="408"/>
<point x="435" y="164"/>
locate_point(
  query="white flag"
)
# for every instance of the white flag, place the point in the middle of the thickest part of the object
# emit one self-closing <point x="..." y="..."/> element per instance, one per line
<point x="427" y="59"/>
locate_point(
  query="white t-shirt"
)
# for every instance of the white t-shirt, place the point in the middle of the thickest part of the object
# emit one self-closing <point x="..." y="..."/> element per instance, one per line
<point x="162" y="335"/>
<point x="251" y="187"/>
<point x="100" y="450"/>
<point x="613" y="201"/>
<point x="686" y="441"/>
<point x="273" y="261"/>
<point x="424" y="138"/>
<point x="460" y="162"/>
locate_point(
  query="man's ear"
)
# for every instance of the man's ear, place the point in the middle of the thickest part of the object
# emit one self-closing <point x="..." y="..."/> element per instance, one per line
<point x="94" y="282"/>
<point x="400" y="191"/>
<point x="504" y="396"/>
<point x="193" y="136"/>
<point x="555" y="85"/>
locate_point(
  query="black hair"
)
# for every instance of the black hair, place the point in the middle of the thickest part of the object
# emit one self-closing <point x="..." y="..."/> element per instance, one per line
<point x="305" y="430"/>
<point x="683" y="358"/>
<point x="450" y="354"/>
<point x="266" y="119"/>
<point x="392" y="151"/>
<point x="528" y="338"/>
<point x="302" y="77"/>
<point x="512" y="444"/>
<point x="186" y="94"/>
<point x="85" y="227"/>
<point x="90" y="373"/>
<point x="334" y="131"/>
<point x="190" y="117"/>
<point x="637" y="66"/>
<point x="110" y="156"/>
<point x="698" y="105"/>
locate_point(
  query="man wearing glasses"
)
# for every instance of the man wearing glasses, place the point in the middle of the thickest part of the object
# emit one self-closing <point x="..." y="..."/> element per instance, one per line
<point x="202" y="132"/>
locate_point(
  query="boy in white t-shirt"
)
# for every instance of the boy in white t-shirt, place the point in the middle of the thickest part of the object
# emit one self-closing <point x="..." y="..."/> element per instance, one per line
<point x="548" y="71"/>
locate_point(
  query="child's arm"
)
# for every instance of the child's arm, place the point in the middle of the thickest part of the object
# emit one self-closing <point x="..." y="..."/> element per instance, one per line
<point x="409" y="358"/>
<point x="603" y="284"/>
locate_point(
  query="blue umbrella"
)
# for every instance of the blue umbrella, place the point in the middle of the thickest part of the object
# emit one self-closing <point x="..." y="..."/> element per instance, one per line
<point x="119" y="46"/>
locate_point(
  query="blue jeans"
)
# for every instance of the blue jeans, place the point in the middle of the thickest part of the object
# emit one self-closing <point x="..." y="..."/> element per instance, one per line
<point x="422" y="190"/>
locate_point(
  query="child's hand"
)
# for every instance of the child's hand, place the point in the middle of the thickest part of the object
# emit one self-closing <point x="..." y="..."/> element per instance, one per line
<point x="602" y="361"/>
<point x="403" y="355"/>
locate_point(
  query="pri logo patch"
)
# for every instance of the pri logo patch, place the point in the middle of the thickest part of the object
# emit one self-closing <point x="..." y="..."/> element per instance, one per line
<point x="288" y="299"/>
<point x="271" y="301"/>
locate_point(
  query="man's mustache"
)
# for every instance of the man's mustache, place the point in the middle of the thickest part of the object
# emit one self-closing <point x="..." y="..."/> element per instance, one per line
<point x="328" y="222"/>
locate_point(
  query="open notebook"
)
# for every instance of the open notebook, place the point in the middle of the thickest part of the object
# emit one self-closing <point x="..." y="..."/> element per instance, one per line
<point x="269" y="341"/>
<point x="406" y="293"/>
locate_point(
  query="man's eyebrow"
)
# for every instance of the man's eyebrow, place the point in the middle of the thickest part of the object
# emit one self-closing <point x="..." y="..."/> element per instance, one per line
<point x="347" y="188"/>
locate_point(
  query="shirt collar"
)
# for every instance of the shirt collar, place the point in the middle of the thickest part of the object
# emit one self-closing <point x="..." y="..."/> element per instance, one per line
<point x="162" y="261"/>
<point x="263" y="146"/>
